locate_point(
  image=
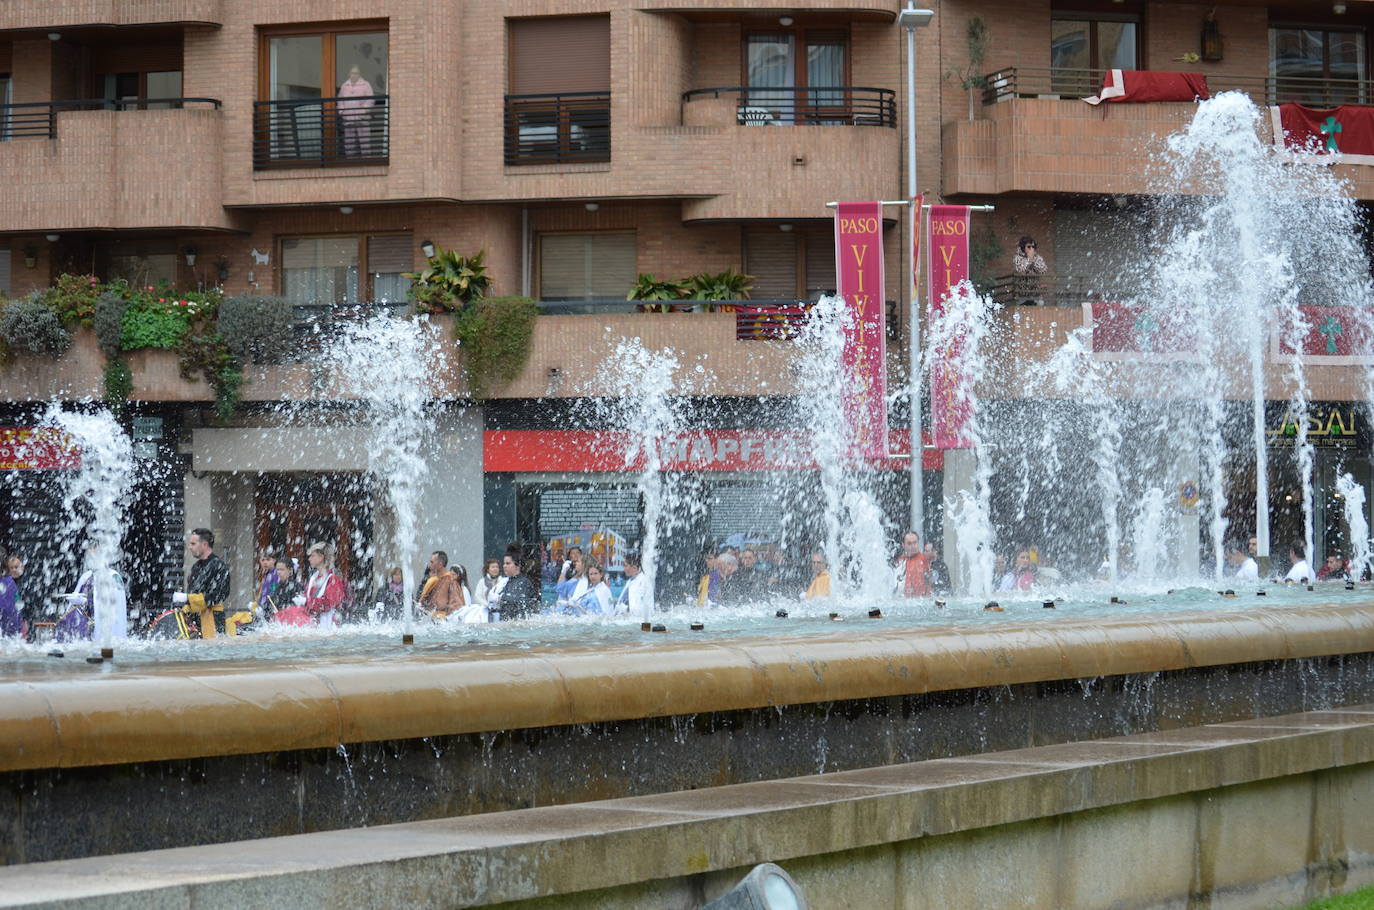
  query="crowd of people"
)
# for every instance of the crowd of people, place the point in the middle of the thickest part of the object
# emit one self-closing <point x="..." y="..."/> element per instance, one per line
<point x="513" y="586"/>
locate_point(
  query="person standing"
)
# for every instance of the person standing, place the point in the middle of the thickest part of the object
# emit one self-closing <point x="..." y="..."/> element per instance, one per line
<point x="325" y="590"/>
<point x="491" y="574"/>
<point x="207" y="584"/>
<point x="749" y="582"/>
<point x="12" y="623"/>
<point x="911" y="568"/>
<point x="1243" y="565"/>
<point x="708" y="585"/>
<point x="356" y="100"/>
<point x="820" y="577"/>
<point x="597" y="599"/>
<point x="441" y="594"/>
<point x="267" y="577"/>
<point x="1028" y="265"/>
<point x="938" y="575"/>
<point x="515" y="597"/>
<point x="727" y="566"/>
<point x="1301" y="571"/>
<point x="637" y="597"/>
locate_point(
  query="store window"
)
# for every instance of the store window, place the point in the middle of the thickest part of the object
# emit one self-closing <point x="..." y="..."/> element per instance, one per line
<point x="1317" y="67"/>
<point x="324" y="95"/>
<point x="1083" y="46"/>
<point x="586" y="266"/>
<point x="345" y="270"/>
<point x="796" y="75"/>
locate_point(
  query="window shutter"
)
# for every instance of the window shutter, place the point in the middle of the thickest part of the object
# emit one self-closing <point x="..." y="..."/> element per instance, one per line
<point x="820" y="264"/>
<point x="771" y="257"/>
<point x="557" y="54"/>
<point x="4" y="271"/>
<point x="586" y="266"/>
<point x="389" y="254"/>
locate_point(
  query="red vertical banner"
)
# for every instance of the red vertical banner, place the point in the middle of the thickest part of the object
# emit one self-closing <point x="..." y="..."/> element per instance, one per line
<point x="859" y="271"/>
<point x="947" y="233"/>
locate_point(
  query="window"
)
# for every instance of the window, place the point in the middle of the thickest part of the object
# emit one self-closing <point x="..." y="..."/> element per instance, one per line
<point x="324" y="96"/>
<point x="4" y="271"/>
<point x="129" y="73"/>
<point x="1317" y="67"/>
<point x="345" y="270"/>
<point x="1081" y="47"/>
<point x="795" y="265"/>
<point x="141" y="263"/>
<point x="586" y="266"/>
<point x="6" y="98"/>
<point x="559" y="103"/>
<point x="795" y="75"/>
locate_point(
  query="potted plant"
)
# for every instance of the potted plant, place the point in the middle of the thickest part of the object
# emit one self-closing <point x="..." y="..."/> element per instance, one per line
<point x="449" y="282"/>
<point x="728" y="285"/>
<point x="650" y="289"/>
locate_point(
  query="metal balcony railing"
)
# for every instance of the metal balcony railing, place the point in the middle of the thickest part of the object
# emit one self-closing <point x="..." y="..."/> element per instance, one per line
<point x="755" y="320"/>
<point x="321" y="132"/>
<point x="817" y="105"/>
<point x="315" y="325"/>
<point x="1052" y="82"/>
<point x="1059" y="290"/>
<point x="38" y="119"/>
<point x="558" y="129"/>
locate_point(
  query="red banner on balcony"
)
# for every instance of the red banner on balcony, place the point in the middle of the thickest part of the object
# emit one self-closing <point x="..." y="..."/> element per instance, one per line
<point x="947" y="233"/>
<point x="859" y="268"/>
<point x="1335" y="335"/>
<point x="1338" y="135"/>
<point x="37" y="449"/>
<point x="1130" y="331"/>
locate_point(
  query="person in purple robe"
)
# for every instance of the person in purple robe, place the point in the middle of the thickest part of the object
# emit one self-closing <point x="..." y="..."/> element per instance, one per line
<point x="11" y="614"/>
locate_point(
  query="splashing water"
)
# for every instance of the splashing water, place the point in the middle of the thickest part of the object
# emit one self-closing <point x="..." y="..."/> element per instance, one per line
<point x="959" y="344"/>
<point x="856" y="530"/>
<point x="395" y="365"/>
<point x="1352" y="504"/>
<point x="95" y="499"/>
<point x="1148" y="542"/>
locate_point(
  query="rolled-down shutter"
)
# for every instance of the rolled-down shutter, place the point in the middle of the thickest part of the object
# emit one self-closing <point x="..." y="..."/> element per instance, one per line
<point x="771" y="257"/>
<point x="388" y="254"/>
<point x="558" y="54"/>
<point x="586" y="266"/>
<point x="820" y="263"/>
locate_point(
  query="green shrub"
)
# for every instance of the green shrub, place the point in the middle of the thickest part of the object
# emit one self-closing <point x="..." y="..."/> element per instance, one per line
<point x="495" y="334"/>
<point x="255" y="328"/>
<point x="109" y="321"/>
<point x="119" y="385"/>
<point x="155" y="326"/>
<point x="73" y="298"/>
<point x="31" y="325"/>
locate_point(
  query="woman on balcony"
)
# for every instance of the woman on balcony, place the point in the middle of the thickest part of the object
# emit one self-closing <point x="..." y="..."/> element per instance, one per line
<point x="355" y="98"/>
<point x="1028" y="265"/>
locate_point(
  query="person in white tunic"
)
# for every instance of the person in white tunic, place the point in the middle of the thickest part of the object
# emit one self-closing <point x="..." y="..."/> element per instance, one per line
<point x="1246" y="569"/>
<point x="637" y="597"/>
<point x="1302" y="570"/>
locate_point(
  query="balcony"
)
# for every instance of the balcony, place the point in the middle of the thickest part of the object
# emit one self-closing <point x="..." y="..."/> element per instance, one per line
<point x="570" y="128"/>
<point x="45" y="14"/>
<point x="1057" y="290"/>
<point x="95" y="164"/>
<point x="321" y="132"/>
<point x="812" y="106"/>
<point x="1035" y="134"/>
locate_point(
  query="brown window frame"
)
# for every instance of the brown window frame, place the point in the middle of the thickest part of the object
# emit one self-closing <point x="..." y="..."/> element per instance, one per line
<point x="364" y="270"/>
<point x="798" y="33"/>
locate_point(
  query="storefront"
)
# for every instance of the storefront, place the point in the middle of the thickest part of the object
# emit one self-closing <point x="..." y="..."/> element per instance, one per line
<point x="712" y="487"/>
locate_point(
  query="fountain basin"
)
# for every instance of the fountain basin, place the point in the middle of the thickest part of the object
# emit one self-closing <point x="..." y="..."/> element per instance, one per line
<point x="72" y="715"/>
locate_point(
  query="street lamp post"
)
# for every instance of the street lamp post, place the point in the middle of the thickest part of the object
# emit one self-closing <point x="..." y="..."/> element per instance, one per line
<point x="911" y="19"/>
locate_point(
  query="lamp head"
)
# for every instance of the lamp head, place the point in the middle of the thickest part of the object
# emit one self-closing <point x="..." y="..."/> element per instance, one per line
<point x="915" y="18"/>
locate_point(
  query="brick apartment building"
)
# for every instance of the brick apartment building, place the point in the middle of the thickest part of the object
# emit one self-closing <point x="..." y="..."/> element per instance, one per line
<point x="308" y="148"/>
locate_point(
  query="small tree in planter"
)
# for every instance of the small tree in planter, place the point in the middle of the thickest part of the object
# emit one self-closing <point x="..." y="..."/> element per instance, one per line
<point x="449" y="282"/>
<point x="971" y="76"/>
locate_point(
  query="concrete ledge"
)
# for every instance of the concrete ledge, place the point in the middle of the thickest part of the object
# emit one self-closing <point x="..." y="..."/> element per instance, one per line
<point x="81" y="716"/>
<point x="1206" y="810"/>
